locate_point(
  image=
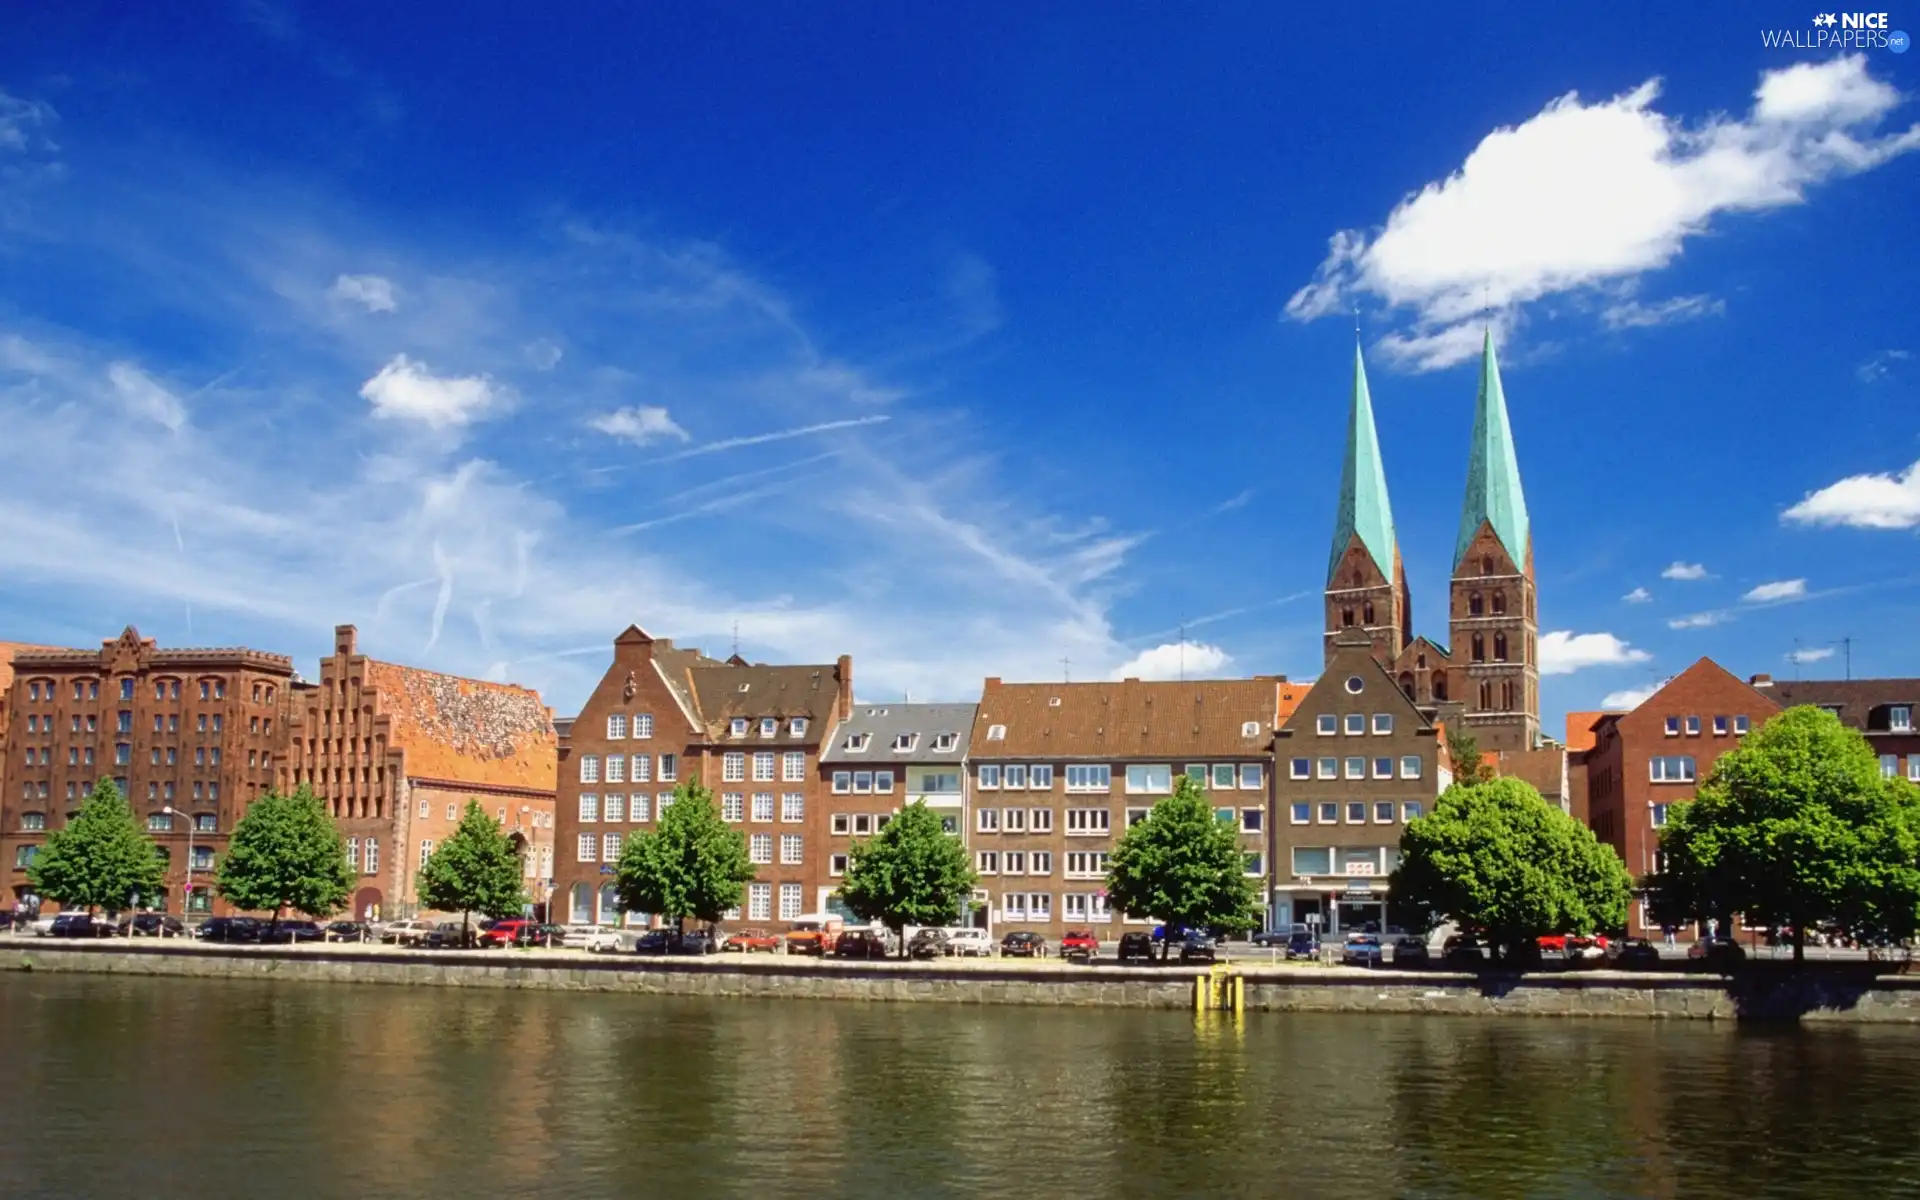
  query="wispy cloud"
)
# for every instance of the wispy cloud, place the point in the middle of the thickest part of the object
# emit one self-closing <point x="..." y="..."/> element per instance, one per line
<point x="1699" y="620"/>
<point x="1228" y="505"/>
<point x="1810" y="654"/>
<point x="1780" y="590"/>
<point x="1631" y="314"/>
<point x="1685" y="571"/>
<point x="1213" y="618"/>
<point x="761" y="439"/>
<point x="1563" y="652"/>
<point x="639" y="424"/>
<point x="375" y="293"/>
<point x="1881" y="365"/>
<point x="1639" y="595"/>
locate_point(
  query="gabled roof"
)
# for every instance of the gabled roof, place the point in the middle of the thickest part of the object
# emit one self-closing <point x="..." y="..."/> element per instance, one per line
<point x="722" y="691"/>
<point x="1347" y="660"/>
<point x="466" y="730"/>
<point x="1859" y="703"/>
<point x="1133" y="719"/>
<point x="1494" y="496"/>
<point x="1700" y="667"/>
<point x="1364" y="510"/>
<point x="883" y="723"/>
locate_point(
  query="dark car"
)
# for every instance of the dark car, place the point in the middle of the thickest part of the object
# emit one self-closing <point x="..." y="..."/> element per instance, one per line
<point x="1362" y="950"/>
<point x="1411" y="952"/>
<point x="1715" y="954"/>
<point x="860" y="943"/>
<point x="1463" y="950"/>
<point x="447" y="935"/>
<point x="229" y="929"/>
<point x="288" y="932"/>
<point x="697" y="941"/>
<point x="654" y="941"/>
<point x="1197" y="947"/>
<point x="79" y="925"/>
<point x="927" y="943"/>
<point x="346" y="931"/>
<point x="1023" y="943"/>
<point x="151" y="925"/>
<point x="1637" y="954"/>
<point x="1302" y="943"/>
<point x="1136" y="947"/>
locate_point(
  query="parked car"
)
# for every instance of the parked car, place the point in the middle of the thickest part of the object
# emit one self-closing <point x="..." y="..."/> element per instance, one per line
<point x="42" y="926"/>
<point x="1023" y="943"/>
<point x="445" y="935"/>
<point x="814" y="935"/>
<point x="347" y="931"/>
<point x="1637" y="954"/>
<point x="609" y="940"/>
<point x="151" y="925"/>
<point x="747" y="941"/>
<point x="1463" y="950"/>
<point x="697" y="941"/>
<point x="1362" y="950"/>
<point x="654" y="941"/>
<point x="860" y="943"/>
<point x="229" y="929"/>
<point x="1273" y="939"/>
<point x="1080" y="945"/>
<point x="1198" y="947"/>
<point x="967" y="942"/>
<point x="79" y="925"/>
<point x="575" y="937"/>
<point x="1411" y="951"/>
<point x="508" y="931"/>
<point x="1715" y="954"/>
<point x="927" y="943"/>
<point x="1584" y="950"/>
<point x="406" y="933"/>
<point x="289" y="932"/>
<point x="1136" y="947"/>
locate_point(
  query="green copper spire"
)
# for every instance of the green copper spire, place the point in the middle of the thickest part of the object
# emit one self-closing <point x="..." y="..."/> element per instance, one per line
<point x="1363" y="485"/>
<point x="1493" y="471"/>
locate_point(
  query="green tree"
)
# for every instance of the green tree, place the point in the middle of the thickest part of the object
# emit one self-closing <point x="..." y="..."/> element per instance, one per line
<point x="476" y="870"/>
<point x="1796" y="827"/>
<point x="912" y="872"/>
<point x="1464" y="749"/>
<point x="1496" y="858"/>
<point x="101" y="859"/>
<point x="1184" y="867"/>
<point x="286" y="853"/>
<point x="692" y="864"/>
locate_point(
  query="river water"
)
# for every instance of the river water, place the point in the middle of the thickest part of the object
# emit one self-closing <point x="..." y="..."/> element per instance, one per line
<point x="163" y="1088"/>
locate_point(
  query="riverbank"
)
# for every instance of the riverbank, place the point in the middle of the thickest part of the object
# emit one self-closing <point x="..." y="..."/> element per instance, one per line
<point x="1827" y="996"/>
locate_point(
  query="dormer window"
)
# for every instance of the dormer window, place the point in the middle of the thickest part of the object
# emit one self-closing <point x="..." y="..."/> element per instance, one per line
<point x="996" y="733"/>
<point x="945" y="742"/>
<point x="1250" y="729"/>
<point x="797" y="727"/>
<point x="1900" y="718"/>
<point x="905" y="742"/>
<point x="738" y="727"/>
<point x="769" y="726"/>
<point x="857" y="742"/>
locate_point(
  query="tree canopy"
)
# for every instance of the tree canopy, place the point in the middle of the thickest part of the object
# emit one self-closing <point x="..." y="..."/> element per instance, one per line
<point x="1496" y="858"/>
<point x="912" y="872"/>
<point x="286" y="853"/>
<point x="1796" y="827"/>
<point x="692" y="864"/>
<point x="1183" y="866"/>
<point x="476" y="870"/>
<point x="1464" y="749"/>
<point x="101" y="859"/>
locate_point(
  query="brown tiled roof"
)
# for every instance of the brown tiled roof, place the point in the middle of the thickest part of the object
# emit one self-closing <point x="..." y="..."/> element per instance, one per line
<point x="466" y="730"/>
<point x="1859" y="701"/>
<point x="722" y="691"/>
<point x="1131" y="719"/>
<point x="1580" y="728"/>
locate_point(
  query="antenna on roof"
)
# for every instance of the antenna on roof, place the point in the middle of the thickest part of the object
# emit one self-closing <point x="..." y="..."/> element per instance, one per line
<point x="1846" y="648"/>
<point x="1066" y="669"/>
<point x="736" y="637"/>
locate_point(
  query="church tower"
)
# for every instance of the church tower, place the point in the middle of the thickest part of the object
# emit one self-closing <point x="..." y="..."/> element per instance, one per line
<point x="1366" y="584"/>
<point x="1492" y="611"/>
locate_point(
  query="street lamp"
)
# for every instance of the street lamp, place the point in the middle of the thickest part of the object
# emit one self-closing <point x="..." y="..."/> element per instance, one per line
<point x="186" y="902"/>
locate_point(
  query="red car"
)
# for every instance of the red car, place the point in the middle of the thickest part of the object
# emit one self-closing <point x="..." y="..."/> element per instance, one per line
<point x="749" y="940"/>
<point x="1080" y="945"/>
<point x="513" y="931"/>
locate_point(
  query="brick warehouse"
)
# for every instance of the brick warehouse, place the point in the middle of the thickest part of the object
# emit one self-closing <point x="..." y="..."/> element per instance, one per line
<point x="397" y="752"/>
<point x="191" y="737"/>
<point x="750" y="732"/>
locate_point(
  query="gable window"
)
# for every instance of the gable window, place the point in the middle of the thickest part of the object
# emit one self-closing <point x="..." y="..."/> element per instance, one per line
<point x="1356" y="724"/>
<point x="1693" y="726"/>
<point x="904" y="743"/>
<point x="856" y="743"/>
<point x="616" y="726"/>
<point x="1719" y="727"/>
<point x="1673" y="726"/>
<point x="1383" y="723"/>
<point x="590" y="768"/>
<point x="1740" y="725"/>
<point x="1326" y="724"/>
<point x="616" y="768"/>
<point x="944" y="743"/>
<point x="1900" y="718"/>
<point x="1302" y="768"/>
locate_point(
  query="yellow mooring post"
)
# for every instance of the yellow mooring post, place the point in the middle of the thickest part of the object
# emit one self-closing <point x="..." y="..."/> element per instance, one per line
<point x="1200" y="990"/>
<point x="1239" y="994"/>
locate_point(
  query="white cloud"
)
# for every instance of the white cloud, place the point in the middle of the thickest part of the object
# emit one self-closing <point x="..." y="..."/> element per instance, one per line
<point x="1784" y="589"/>
<point x="1174" y="660"/>
<point x="1812" y="654"/>
<point x="735" y="443"/>
<point x="1700" y="620"/>
<point x="406" y="390"/>
<point x="23" y="123"/>
<point x="544" y="354"/>
<point x="1586" y="196"/>
<point x="639" y="424"/>
<point x="1628" y="699"/>
<point x="1631" y="314"/>
<point x="375" y="292"/>
<point x="1685" y="571"/>
<point x="1638" y="595"/>
<point x="1872" y="501"/>
<point x="145" y="398"/>
<point x="1880" y="365"/>
<point x="1563" y="652"/>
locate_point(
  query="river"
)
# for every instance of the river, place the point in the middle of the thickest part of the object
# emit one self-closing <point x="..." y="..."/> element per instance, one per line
<point x="114" y="1088"/>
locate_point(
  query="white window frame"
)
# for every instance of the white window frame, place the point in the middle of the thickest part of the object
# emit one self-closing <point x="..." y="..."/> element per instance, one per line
<point x="616" y="727"/>
<point x="1300" y="768"/>
<point x="945" y="743"/>
<point x="1040" y="777"/>
<point x="1350" y="806"/>
<point x="1410" y="766"/>
<point x="1326" y="725"/>
<point x="1144" y="779"/>
<point x="1740" y="724"/>
<point x="1089" y="777"/>
<point x="1013" y="820"/>
<point x="1322" y="808"/>
<point x="587" y="848"/>
<point x="792" y="846"/>
<point x="733" y="767"/>
<point x="1089" y="822"/>
<point x="842" y="825"/>
<point x="1328" y="768"/>
<point x="1389" y="808"/>
<point x="1253" y="777"/>
<point x="1013" y="777"/>
<point x="843" y="783"/>
<point x="590" y="768"/>
<point x="1040" y="820"/>
<point x="797" y="727"/>
<point x="613" y="806"/>
<point x="793" y="766"/>
<point x="986" y="862"/>
<point x="987" y="777"/>
<point x="759" y="902"/>
<point x="616" y="768"/>
<point x="987" y="820"/>
<point x="1412" y="810"/>
<point x="1353" y="772"/>
<point x="733" y="807"/>
<point x="1673" y="726"/>
<point x="1293" y="812"/>
<point x="1900" y="718"/>
<point x="769" y="727"/>
<point x="610" y="844"/>
<point x="793" y="808"/>
<point x="792" y="901"/>
<point x="883" y="783"/>
<point x="1039" y="862"/>
<point x="1383" y="767"/>
<point x="760" y="849"/>
<point x="640" y="768"/>
<point x="589" y="808"/>
<point x="643" y="725"/>
<point x="737" y="727"/>
<point x="763" y="766"/>
<point x="1382" y="724"/>
<point x="762" y="810"/>
<point x="1221" y="776"/>
<point x="1356" y="725"/>
<point x="1720" y="725"/>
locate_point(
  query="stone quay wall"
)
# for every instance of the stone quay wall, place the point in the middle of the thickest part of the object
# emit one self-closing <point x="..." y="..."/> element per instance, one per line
<point x="1856" y="997"/>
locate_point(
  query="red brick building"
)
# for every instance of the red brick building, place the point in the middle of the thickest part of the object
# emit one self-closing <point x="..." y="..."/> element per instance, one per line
<point x="750" y="732"/>
<point x="397" y="752"/>
<point x="190" y="736"/>
<point x="1645" y="761"/>
<point x="1881" y="709"/>
<point x="1580" y="739"/>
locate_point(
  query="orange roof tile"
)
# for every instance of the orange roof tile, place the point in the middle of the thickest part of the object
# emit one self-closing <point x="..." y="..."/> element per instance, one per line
<point x="1580" y="728"/>
<point x="1291" y="694"/>
<point x="467" y="730"/>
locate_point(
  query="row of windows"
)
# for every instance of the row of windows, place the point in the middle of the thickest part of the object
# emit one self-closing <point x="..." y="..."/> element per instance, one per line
<point x="1355" y="724"/>
<point x="864" y="824"/>
<point x="639" y="766"/>
<point x="1720" y="726"/>
<point x="163" y="689"/>
<point x="903" y="743"/>
<point x="793" y="766"/>
<point x="1353" y="861"/>
<point x="1020" y="862"/>
<point x="1671" y="768"/>
<point x="760" y="902"/>
<point x="1356" y="768"/>
<point x="617" y="726"/>
<point x="618" y="806"/>
<point x="1143" y="779"/>
<point x="769" y="726"/>
<point x="793" y="807"/>
<point x="1890" y="766"/>
<point x="1357" y="812"/>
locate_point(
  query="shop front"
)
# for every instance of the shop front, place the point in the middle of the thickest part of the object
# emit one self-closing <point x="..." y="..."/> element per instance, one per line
<point x="1332" y="908"/>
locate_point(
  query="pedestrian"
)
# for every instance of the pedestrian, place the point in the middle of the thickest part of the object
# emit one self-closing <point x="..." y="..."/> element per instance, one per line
<point x="1666" y="931"/>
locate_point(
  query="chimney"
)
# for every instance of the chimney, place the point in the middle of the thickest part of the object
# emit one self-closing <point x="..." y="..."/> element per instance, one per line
<point x="345" y="638"/>
<point x="844" y="672"/>
<point x="1760" y="681"/>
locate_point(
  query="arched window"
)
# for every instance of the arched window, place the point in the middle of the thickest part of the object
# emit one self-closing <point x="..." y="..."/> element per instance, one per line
<point x="1486" y="695"/>
<point x="1406" y="683"/>
<point x="1366" y="612"/>
<point x="1346" y="618"/>
<point x="1486" y="564"/>
<point x="1499" y="604"/>
<point x="1479" y="648"/>
<point x="1499" y="647"/>
<point x="1506" y="695"/>
<point x="1439" y="685"/>
<point x="1476" y="604"/>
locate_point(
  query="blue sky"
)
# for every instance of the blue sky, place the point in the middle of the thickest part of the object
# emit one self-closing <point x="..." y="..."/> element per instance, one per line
<point x="964" y="346"/>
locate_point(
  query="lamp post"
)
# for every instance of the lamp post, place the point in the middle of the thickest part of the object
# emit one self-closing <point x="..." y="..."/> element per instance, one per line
<point x="186" y="901"/>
